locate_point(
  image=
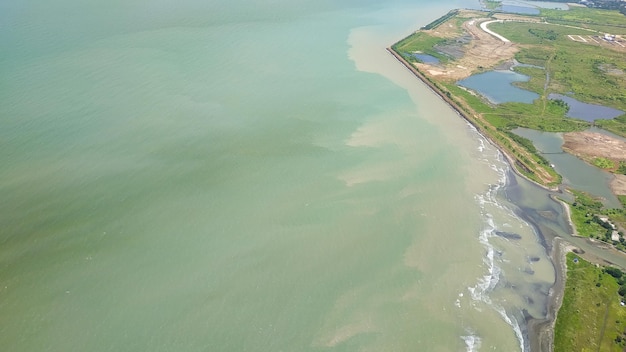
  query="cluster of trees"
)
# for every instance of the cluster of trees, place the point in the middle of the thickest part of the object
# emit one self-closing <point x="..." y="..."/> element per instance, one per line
<point x="543" y="34"/>
<point x="560" y="103"/>
<point x="619" y="276"/>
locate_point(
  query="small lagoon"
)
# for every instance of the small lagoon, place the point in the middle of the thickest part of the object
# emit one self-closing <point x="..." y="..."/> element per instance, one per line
<point x="497" y="87"/>
<point x="425" y="58"/>
<point x="530" y="7"/>
<point x="587" y="112"/>
<point x="522" y="10"/>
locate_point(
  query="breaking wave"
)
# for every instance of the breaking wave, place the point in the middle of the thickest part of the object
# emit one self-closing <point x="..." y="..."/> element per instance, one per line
<point x="489" y="281"/>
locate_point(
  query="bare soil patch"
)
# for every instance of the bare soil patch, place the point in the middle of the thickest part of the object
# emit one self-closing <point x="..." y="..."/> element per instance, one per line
<point x="589" y="145"/>
<point x="483" y="51"/>
<point x="618" y="185"/>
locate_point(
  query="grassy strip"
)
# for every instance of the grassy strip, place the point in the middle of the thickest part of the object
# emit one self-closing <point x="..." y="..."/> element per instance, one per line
<point x="617" y="125"/>
<point x="591" y="317"/>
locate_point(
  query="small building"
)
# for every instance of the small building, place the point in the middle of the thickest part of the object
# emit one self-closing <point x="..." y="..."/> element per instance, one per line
<point x="615" y="236"/>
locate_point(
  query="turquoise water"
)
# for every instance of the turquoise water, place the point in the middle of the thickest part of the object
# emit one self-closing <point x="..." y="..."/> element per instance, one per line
<point x="204" y="176"/>
<point x="497" y="87"/>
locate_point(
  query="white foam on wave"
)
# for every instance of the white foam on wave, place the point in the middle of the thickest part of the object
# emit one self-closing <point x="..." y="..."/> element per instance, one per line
<point x="472" y="342"/>
<point x="481" y="145"/>
<point x="488" y="282"/>
<point x="514" y="324"/>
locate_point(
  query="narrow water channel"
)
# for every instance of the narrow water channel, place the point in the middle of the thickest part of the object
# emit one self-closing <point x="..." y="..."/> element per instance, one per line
<point x="576" y="173"/>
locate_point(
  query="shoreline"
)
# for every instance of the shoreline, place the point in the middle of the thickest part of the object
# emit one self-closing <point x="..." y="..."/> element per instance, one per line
<point x="540" y="331"/>
<point x="511" y="160"/>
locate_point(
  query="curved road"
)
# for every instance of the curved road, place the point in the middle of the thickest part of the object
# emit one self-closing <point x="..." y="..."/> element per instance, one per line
<point x="483" y="26"/>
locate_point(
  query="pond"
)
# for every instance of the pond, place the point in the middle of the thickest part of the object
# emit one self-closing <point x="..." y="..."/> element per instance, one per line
<point x="425" y="58"/>
<point x="497" y="87"/>
<point x="523" y="10"/>
<point x="537" y="4"/>
<point x="587" y="112"/>
<point x="576" y="173"/>
<point x="530" y="7"/>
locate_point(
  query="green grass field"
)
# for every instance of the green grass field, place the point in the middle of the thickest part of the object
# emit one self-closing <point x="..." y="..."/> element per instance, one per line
<point x="419" y="42"/>
<point x="575" y="68"/>
<point x="591" y="317"/>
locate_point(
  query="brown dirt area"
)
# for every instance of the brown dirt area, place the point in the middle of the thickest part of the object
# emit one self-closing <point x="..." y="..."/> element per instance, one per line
<point x="618" y="185"/>
<point x="589" y="145"/>
<point x="484" y="51"/>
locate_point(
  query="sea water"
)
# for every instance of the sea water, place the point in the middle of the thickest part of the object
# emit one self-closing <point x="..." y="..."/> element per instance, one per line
<point x="247" y="176"/>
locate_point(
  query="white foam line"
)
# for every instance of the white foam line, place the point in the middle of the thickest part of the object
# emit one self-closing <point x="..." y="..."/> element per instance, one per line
<point x="488" y="282"/>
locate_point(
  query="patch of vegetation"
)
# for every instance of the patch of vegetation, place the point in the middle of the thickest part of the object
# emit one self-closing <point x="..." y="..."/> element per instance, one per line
<point x="560" y="104"/>
<point x="492" y="4"/>
<point x="616" y="125"/>
<point x="550" y="117"/>
<point x="419" y="42"/>
<point x="549" y="34"/>
<point x="591" y="316"/>
<point x="586" y="213"/>
<point x="585" y="200"/>
<point x="603" y="163"/>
